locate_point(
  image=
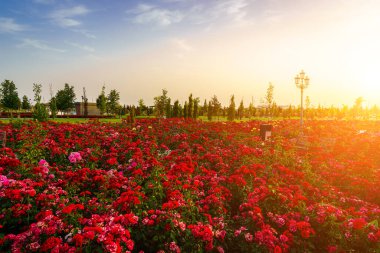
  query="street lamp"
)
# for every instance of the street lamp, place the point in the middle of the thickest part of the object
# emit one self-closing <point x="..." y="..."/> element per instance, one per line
<point x="302" y="81"/>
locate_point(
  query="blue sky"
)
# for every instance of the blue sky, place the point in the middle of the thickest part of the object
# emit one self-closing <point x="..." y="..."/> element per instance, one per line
<point x="220" y="47"/>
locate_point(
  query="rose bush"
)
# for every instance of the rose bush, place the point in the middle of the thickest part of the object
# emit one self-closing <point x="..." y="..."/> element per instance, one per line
<point x="188" y="186"/>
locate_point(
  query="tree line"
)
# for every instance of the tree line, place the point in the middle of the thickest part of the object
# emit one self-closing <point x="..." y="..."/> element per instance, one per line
<point x="63" y="101"/>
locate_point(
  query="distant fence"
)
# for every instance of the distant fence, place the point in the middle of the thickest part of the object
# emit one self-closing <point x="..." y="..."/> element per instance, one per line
<point x="30" y="115"/>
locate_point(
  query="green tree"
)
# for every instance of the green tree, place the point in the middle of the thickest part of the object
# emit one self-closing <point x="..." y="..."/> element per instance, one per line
<point x="190" y="106"/>
<point x="204" y="108"/>
<point x="168" y="108"/>
<point x="65" y="99"/>
<point x="40" y="111"/>
<point x="209" y="111"/>
<point x="252" y="110"/>
<point x="196" y="108"/>
<point x="231" y="109"/>
<point x="160" y="104"/>
<point x="9" y="95"/>
<point x="176" y="109"/>
<point x="241" y="110"/>
<point x="25" y="104"/>
<point x="101" y="101"/>
<point x="113" y="101"/>
<point x="185" y="110"/>
<point x="216" y="106"/>
<point x="53" y="107"/>
<point x="142" y="106"/>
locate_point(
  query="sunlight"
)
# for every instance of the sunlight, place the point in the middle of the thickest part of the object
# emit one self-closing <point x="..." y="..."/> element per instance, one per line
<point x="370" y="81"/>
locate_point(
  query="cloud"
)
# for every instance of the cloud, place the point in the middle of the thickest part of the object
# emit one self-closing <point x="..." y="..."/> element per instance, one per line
<point x="150" y="14"/>
<point x="85" y="33"/>
<point x="8" y="25"/>
<point x="44" y="1"/>
<point x="182" y="45"/>
<point x="39" y="45"/>
<point x="232" y="12"/>
<point x="82" y="47"/>
<point x="65" y="17"/>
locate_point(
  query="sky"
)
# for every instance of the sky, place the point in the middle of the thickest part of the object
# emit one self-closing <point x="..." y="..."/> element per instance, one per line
<point x="213" y="47"/>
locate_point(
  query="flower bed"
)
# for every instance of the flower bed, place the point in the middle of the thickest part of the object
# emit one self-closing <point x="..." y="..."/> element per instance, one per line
<point x="188" y="186"/>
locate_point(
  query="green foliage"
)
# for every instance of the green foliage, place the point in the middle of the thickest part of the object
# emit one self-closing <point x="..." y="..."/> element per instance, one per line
<point x="40" y="112"/>
<point x="241" y="110"/>
<point x="216" y="106"/>
<point x="168" y="109"/>
<point x="160" y="103"/>
<point x="190" y="106"/>
<point x="142" y="109"/>
<point x="25" y="104"/>
<point x="176" y="111"/>
<point x="9" y="96"/>
<point x="113" y="101"/>
<point x="209" y="111"/>
<point x="37" y="89"/>
<point x="231" y="109"/>
<point x="185" y="110"/>
<point x="65" y="99"/>
<point x="53" y="107"/>
<point x="101" y="101"/>
<point x="204" y="108"/>
<point x="195" y="110"/>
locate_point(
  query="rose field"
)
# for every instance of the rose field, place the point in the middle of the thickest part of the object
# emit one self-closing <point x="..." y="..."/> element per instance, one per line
<point x="177" y="185"/>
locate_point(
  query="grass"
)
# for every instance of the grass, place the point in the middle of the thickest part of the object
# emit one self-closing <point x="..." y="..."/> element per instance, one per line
<point x="118" y="120"/>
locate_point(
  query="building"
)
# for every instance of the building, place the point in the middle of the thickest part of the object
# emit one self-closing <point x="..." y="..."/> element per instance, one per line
<point x="91" y="109"/>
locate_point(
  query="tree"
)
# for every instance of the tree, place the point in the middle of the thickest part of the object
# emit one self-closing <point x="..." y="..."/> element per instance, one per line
<point x="190" y="106"/>
<point x="40" y="112"/>
<point x="113" y="101"/>
<point x="209" y="111"/>
<point x="9" y="95"/>
<point x="216" y="106"/>
<point x="185" y="110"/>
<point x="37" y="89"/>
<point x="25" y="104"/>
<point x="142" y="106"/>
<point x="241" y="110"/>
<point x="101" y="101"/>
<point x="160" y="103"/>
<point x="269" y="96"/>
<point x="252" y="110"/>
<point x="168" y="108"/>
<point x="65" y="98"/>
<point x="176" y="109"/>
<point x="204" y="108"/>
<point x="85" y="102"/>
<point x="52" y="103"/>
<point x="53" y="107"/>
<point x="231" y="109"/>
<point x="358" y="107"/>
<point x="195" y="109"/>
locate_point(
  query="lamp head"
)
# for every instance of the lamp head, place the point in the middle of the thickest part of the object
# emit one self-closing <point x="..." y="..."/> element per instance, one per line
<point x="297" y="79"/>
<point x="302" y="74"/>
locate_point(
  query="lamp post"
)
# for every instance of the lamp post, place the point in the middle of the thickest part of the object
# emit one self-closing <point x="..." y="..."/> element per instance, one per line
<point x="302" y="81"/>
